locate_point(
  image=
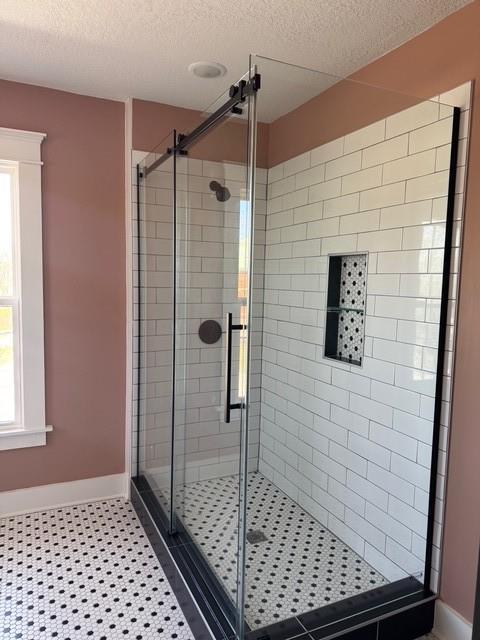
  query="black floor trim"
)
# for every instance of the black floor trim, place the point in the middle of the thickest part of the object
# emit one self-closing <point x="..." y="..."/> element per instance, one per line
<point x="389" y="595"/>
<point x="205" y="591"/>
<point x="350" y="618"/>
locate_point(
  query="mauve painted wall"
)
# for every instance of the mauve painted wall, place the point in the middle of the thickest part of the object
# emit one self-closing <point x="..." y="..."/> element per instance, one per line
<point x="153" y="123"/>
<point x="84" y="284"/>
<point x="441" y="58"/>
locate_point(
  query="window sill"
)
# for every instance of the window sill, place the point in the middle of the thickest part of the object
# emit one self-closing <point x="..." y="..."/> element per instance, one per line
<point x="15" y="438"/>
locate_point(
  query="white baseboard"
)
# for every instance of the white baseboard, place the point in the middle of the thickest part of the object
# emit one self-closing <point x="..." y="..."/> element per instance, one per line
<point x="450" y="625"/>
<point x="50" y="496"/>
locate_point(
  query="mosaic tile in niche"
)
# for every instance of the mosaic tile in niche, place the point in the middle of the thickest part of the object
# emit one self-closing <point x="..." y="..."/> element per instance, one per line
<point x="353" y="279"/>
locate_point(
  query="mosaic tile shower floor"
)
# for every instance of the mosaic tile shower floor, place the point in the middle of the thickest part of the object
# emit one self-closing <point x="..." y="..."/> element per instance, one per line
<point x="80" y="572"/>
<point x="301" y="565"/>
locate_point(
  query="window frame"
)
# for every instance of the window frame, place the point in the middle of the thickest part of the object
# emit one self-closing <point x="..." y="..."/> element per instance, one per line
<point x="20" y="154"/>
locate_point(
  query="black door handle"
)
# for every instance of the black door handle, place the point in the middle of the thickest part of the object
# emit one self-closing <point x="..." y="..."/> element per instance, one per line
<point x="230" y="327"/>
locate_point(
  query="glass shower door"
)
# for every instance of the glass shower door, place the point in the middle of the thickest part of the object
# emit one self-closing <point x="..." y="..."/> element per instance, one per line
<point x="153" y="312"/>
<point x="213" y="250"/>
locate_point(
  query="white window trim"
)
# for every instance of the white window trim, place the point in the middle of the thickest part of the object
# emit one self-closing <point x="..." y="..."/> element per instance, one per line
<point x="21" y="150"/>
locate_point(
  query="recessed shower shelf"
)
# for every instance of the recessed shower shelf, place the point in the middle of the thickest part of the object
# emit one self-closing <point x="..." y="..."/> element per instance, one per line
<point x="345" y="326"/>
<point x="342" y="309"/>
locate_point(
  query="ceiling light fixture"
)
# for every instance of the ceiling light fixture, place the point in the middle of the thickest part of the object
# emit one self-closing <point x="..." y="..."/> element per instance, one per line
<point x="208" y="70"/>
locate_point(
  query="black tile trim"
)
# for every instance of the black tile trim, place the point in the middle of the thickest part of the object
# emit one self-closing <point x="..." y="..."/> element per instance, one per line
<point x="365" y="632"/>
<point x="409" y="624"/>
<point x="189" y="597"/>
<point x="346" y="609"/>
<point x="289" y="628"/>
<point x="189" y="555"/>
<point x="155" y="510"/>
<point x="377" y="617"/>
<point x="188" y="563"/>
<point x="333" y="300"/>
<point x="442" y="335"/>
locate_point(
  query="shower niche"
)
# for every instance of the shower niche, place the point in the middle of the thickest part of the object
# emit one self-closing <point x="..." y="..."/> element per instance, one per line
<point x="346" y="296"/>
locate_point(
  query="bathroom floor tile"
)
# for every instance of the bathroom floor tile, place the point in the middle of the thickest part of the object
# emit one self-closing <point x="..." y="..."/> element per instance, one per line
<point x="298" y="565"/>
<point x="85" y="571"/>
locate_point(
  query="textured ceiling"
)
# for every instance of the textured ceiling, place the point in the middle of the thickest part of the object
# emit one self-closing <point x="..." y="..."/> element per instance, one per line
<point x="121" y="48"/>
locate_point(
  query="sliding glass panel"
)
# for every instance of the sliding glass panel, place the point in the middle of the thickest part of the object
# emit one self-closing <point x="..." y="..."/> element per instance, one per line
<point x="213" y="278"/>
<point x="358" y="234"/>
<point x="153" y="290"/>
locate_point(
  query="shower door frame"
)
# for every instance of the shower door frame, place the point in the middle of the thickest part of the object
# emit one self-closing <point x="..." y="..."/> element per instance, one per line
<point x="243" y="475"/>
<point x="224" y="618"/>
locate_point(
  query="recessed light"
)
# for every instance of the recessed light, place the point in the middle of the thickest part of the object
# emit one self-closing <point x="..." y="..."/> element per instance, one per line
<point x="204" y="69"/>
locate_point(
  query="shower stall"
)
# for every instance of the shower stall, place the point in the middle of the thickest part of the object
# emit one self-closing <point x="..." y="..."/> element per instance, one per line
<point x="295" y="287"/>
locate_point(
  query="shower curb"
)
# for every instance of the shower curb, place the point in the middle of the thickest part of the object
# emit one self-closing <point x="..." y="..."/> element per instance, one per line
<point x="206" y="622"/>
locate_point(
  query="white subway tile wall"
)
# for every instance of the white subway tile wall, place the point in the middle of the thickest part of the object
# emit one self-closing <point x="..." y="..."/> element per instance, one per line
<point x="209" y="261"/>
<point x="352" y="444"/>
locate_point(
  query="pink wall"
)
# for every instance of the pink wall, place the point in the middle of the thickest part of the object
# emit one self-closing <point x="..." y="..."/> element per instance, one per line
<point x="84" y="284"/>
<point x="154" y="121"/>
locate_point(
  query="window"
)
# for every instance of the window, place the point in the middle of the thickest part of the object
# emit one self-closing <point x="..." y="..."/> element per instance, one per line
<point x="242" y="291"/>
<point x="9" y="389"/>
<point x="22" y="384"/>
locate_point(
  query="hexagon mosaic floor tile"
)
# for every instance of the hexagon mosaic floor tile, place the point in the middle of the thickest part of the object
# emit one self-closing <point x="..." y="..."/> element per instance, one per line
<point x="80" y="572"/>
<point x="299" y="565"/>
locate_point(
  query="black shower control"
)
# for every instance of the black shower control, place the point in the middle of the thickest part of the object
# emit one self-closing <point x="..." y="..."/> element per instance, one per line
<point x="210" y="331"/>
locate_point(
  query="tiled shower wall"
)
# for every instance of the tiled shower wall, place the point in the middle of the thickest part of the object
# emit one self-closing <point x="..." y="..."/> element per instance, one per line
<point x="206" y="447"/>
<point x="324" y="426"/>
<point x="352" y="444"/>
